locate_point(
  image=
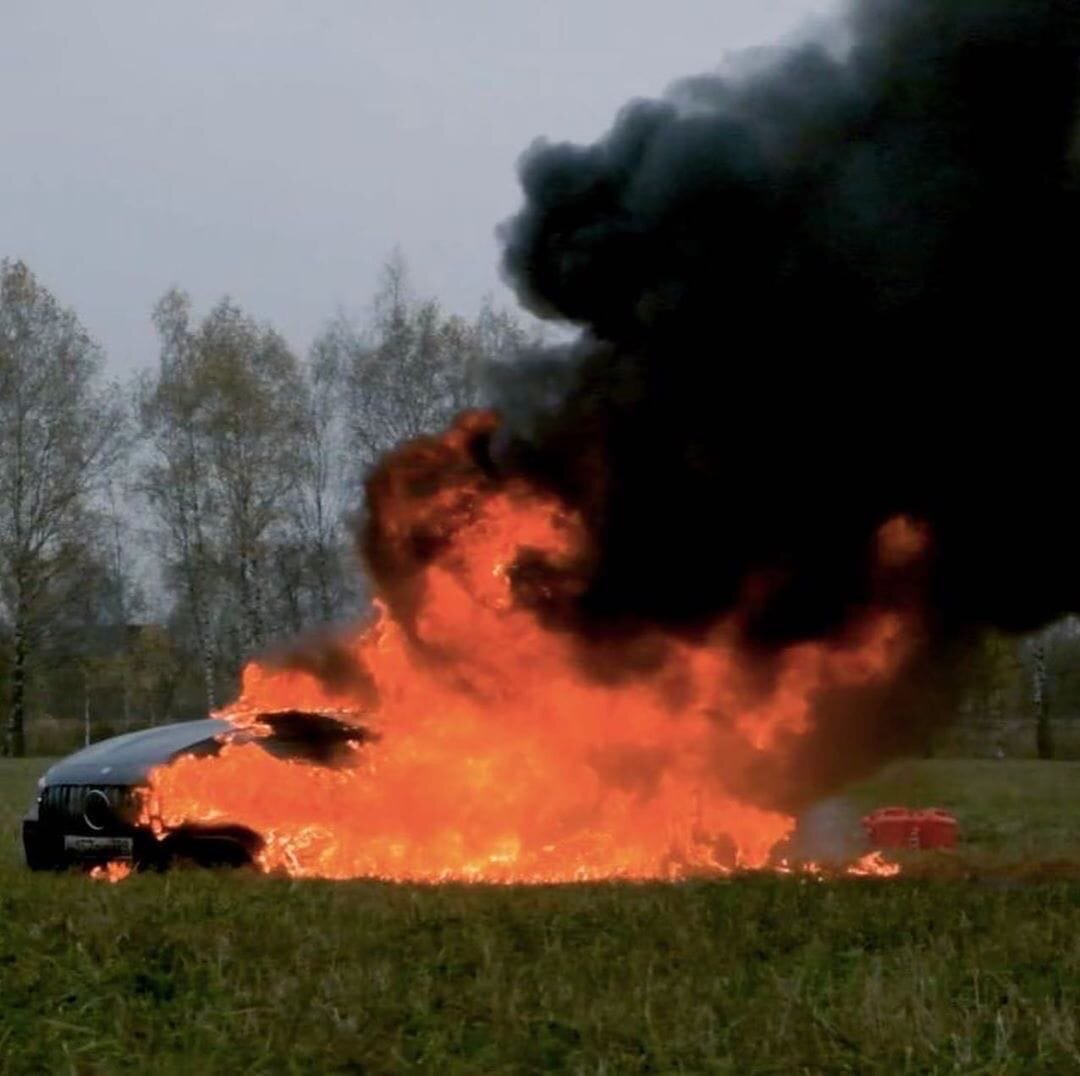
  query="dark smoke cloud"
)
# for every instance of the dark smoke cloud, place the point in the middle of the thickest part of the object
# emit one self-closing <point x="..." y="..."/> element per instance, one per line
<point x="812" y="297"/>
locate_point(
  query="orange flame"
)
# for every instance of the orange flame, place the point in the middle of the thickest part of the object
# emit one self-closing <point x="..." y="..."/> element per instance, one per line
<point x="499" y="758"/>
<point x="114" y="871"/>
<point x="874" y="865"/>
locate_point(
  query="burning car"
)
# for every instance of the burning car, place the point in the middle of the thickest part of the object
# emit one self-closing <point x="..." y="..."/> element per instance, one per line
<point x="89" y="807"/>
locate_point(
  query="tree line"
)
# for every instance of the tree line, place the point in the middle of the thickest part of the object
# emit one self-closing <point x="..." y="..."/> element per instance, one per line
<point x="157" y="533"/>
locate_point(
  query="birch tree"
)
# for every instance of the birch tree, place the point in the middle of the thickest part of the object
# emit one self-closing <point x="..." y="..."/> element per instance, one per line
<point x="255" y="404"/>
<point x="176" y="478"/>
<point x="61" y="431"/>
<point x="411" y="373"/>
<point x="224" y="422"/>
<point x="1044" y="744"/>
<point x="329" y="486"/>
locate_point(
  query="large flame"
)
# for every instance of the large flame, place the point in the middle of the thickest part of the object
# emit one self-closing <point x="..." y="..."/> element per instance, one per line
<point x="500" y="752"/>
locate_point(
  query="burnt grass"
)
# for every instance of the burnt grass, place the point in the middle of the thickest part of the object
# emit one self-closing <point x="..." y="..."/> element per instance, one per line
<point x="971" y="963"/>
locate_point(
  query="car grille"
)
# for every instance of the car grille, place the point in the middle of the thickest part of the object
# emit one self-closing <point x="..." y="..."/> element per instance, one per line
<point x="67" y="804"/>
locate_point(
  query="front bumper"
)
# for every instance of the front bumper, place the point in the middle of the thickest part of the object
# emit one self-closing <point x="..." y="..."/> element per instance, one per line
<point x="44" y="848"/>
<point x="73" y="824"/>
<point x="57" y="835"/>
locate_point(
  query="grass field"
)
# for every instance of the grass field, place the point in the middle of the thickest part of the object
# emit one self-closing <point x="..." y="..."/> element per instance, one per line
<point x="971" y="963"/>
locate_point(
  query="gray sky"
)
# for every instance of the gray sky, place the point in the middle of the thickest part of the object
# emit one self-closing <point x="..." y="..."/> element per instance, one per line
<point x="277" y="151"/>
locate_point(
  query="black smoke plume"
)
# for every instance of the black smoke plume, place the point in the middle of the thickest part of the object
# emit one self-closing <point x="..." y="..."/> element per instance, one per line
<point x="811" y="298"/>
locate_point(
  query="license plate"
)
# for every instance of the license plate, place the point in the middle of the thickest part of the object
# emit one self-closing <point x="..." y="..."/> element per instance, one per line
<point x="120" y="847"/>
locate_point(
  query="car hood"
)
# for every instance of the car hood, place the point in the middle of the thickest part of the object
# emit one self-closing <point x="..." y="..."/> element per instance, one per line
<point x="127" y="759"/>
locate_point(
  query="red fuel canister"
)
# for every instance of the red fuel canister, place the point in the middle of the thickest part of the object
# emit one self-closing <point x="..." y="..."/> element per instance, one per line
<point x="905" y="827"/>
<point x="937" y="829"/>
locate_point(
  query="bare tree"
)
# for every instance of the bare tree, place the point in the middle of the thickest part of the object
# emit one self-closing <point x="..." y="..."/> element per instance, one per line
<point x="225" y="419"/>
<point x="329" y="479"/>
<point x="255" y="410"/>
<point x="175" y="478"/>
<point x="1038" y="646"/>
<point x="1044" y="746"/>
<point x="411" y="373"/>
<point x="1046" y="655"/>
<point x="254" y="460"/>
<point x="60" y="432"/>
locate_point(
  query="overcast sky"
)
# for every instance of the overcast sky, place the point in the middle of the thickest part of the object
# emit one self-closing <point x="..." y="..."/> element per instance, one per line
<point x="278" y="151"/>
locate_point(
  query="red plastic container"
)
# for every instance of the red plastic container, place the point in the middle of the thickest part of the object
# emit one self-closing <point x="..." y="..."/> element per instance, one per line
<point x="905" y="827"/>
<point x="937" y="829"/>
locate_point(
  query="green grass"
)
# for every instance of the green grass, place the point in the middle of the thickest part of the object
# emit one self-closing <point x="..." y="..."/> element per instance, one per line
<point x="232" y="972"/>
<point x="1015" y="816"/>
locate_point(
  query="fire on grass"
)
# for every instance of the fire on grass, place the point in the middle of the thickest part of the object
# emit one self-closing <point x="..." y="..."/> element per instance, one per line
<point x="504" y="748"/>
<point x="114" y="871"/>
